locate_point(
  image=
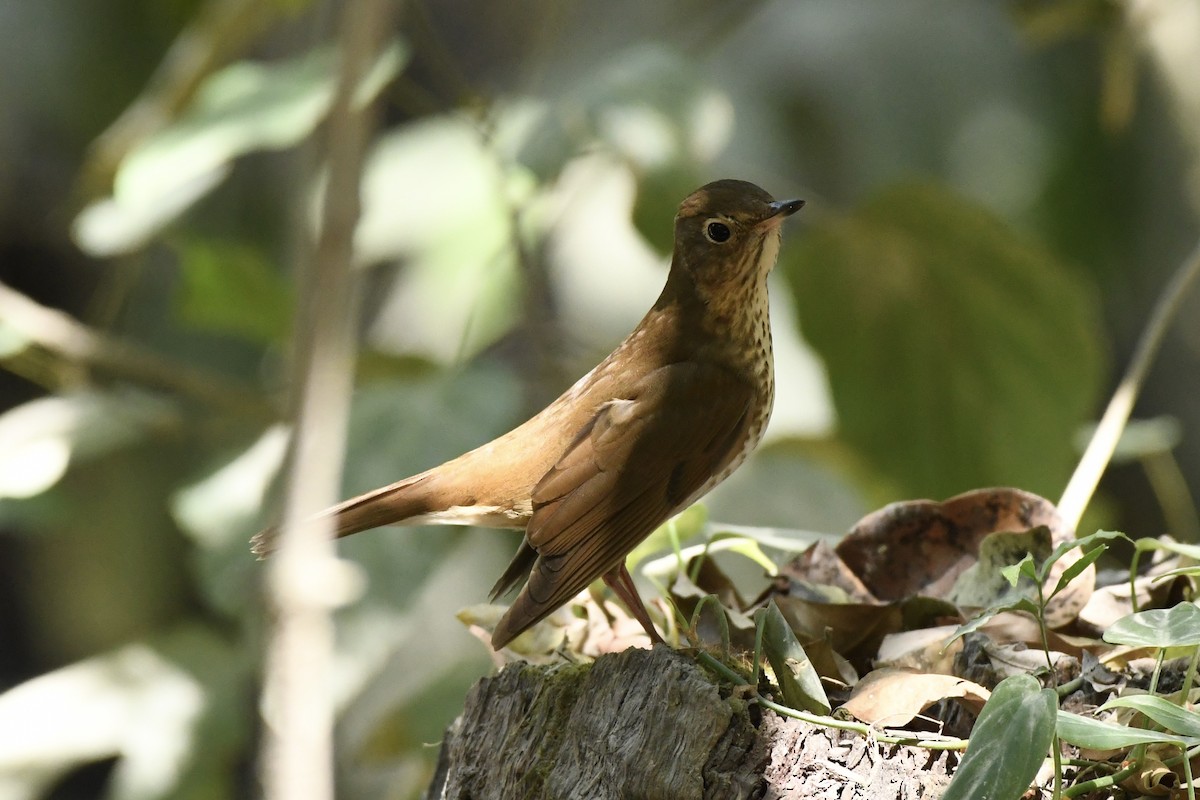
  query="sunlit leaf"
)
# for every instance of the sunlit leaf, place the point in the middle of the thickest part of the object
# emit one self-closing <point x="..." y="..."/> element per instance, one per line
<point x="184" y="689"/>
<point x="787" y="540"/>
<point x="892" y="696"/>
<point x="1191" y="551"/>
<point x="1023" y="569"/>
<point x="38" y="440"/>
<point x="984" y="346"/>
<point x="735" y="544"/>
<point x="242" y="108"/>
<point x="684" y="526"/>
<point x="1172" y="717"/>
<point x="1177" y="626"/>
<point x="1009" y="742"/>
<point x="437" y="198"/>
<point x="12" y="341"/>
<point x="224" y="504"/>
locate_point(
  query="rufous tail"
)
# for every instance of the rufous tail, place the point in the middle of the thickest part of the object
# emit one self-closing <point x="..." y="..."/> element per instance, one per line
<point x="389" y="505"/>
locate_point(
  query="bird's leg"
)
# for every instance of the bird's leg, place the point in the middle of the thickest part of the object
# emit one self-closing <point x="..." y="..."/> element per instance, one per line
<point x="621" y="582"/>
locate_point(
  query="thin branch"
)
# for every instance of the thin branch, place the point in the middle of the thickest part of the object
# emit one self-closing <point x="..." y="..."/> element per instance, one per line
<point x="306" y="580"/>
<point x="78" y="345"/>
<point x="1082" y="485"/>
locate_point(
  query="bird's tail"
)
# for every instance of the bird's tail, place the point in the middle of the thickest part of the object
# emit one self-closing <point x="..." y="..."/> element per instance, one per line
<point x="389" y="505"/>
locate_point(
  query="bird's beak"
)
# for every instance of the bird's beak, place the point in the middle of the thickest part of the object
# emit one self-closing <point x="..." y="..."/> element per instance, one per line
<point x="779" y="210"/>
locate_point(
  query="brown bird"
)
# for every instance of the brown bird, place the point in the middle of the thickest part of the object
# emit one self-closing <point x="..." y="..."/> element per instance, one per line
<point x="662" y="420"/>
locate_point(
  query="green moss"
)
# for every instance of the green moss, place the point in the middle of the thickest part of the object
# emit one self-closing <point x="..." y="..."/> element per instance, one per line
<point x="560" y="689"/>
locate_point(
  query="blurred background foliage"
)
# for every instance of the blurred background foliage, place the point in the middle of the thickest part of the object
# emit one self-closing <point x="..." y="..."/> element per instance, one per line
<point x="996" y="193"/>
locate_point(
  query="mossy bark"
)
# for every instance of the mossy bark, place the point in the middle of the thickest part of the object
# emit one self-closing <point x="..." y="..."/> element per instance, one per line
<point x="654" y="725"/>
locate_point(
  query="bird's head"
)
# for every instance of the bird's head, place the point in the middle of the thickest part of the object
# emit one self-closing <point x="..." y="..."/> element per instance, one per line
<point x="727" y="233"/>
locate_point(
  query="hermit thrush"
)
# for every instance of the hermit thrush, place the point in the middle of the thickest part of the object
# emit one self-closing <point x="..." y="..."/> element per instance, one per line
<point x="662" y="420"/>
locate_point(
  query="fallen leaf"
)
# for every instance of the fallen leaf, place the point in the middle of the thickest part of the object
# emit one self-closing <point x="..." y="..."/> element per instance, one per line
<point x="893" y="697"/>
<point x="921" y="547"/>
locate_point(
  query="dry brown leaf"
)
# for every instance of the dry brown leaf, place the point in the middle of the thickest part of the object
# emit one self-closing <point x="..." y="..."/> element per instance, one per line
<point x="830" y="664"/>
<point x="538" y="645"/>
<point x="711" y="579"/>
<point x="609" y="629"/>
<point x="1155" y="778"/>
<point x="925" y="650"/>
<point x="893" y="697"/>
<point x="922" y="547"/>
<point x="821" y="565"/>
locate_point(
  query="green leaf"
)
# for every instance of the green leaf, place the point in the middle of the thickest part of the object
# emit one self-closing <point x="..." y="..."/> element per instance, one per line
<point x="1085" y="543"/>
<point x="1008" y="744"/>
<point x="1022" y="569"/>
<point x="798" y="678"/>
<point x="1160" y="710"/>
<point x="1073" y="571"/>
<point x="984" y="346"/>
<point x="232" y="288"/>
<point x="1095" y="734"/>
<point x="745" y="546"/>
<point x="1178" y="626"/>
<point x="1004" y="557"/>
<point x="666" y="565"/>
<point x="242" y="108"/>
<point x="458" y="236"/>
<point x="1177" y="572"/>
<point x="1191" y="551"/>
<point x="1021" y="604"/>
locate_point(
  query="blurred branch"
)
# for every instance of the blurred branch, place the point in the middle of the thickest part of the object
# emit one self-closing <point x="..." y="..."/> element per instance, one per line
<point x="218" y="32"/>
<point x="306" y="579"/>
<point x="76" y="344"/>
<point x="1096" y="457"/>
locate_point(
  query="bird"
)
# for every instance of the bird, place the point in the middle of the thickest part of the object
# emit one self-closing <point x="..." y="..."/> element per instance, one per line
<point x="667" y="416"/>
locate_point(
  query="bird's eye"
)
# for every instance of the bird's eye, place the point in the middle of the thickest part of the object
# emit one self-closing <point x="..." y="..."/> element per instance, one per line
<point x="717" y="232"/>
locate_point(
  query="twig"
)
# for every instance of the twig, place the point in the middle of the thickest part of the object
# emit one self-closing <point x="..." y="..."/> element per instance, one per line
<point x="79" y="345"/>
<point x="306" y="579"/>
<point x="1082" y="485"/>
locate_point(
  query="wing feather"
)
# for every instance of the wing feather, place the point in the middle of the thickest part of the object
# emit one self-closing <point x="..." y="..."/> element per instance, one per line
<point x="635" y="463"/>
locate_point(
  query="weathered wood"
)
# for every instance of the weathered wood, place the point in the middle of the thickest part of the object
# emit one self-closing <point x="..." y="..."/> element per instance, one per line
<point x="808" y="762"/>
<point x="653" y="724"/>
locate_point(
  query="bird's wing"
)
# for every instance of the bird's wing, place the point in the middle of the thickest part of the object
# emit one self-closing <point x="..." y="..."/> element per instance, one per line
<point x="636" y="462"/>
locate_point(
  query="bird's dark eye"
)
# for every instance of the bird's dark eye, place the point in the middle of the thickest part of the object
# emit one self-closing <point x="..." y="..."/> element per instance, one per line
<point x="717" y="232"/>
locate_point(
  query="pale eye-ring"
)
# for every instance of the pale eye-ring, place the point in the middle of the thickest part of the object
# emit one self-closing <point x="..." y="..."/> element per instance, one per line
<point x="716" y="231"/>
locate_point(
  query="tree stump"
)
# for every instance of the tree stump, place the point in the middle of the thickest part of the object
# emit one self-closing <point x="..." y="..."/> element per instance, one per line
<point x="653" y="724"/>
